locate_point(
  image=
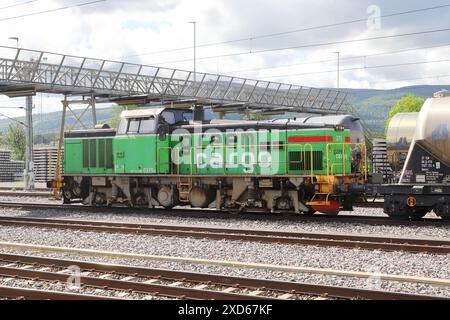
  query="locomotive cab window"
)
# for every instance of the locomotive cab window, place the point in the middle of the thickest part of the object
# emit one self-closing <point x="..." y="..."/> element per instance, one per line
<point x="133" y="127"/>
<point x="168" y="117"/>
<point x="123" y="126"/>
<point x="137" y="126"/>
<point x="147" y="125"/>
<point x="187" y="116"/>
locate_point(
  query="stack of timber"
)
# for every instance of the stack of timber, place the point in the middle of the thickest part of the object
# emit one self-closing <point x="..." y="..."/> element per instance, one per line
<point x="10" y="171"/>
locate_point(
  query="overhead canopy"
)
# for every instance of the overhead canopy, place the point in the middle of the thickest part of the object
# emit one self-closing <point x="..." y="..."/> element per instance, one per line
<point x="25" y="72"/>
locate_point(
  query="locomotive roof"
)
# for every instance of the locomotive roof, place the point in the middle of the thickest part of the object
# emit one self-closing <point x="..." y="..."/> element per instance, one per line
<point x="257" y="125"/>
<point x="141" y="113"/>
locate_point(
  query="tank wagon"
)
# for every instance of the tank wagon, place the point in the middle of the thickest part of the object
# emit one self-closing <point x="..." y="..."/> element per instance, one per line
<point x="399" y="136"/>
<point x="424" y="183"/>
<point x="160" y="156"/>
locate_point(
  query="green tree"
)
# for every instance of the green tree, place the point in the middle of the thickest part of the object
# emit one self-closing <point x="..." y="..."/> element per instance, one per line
<point x="410" y="103"/>
<point x="116" y="115"/>
<point x="16" y="141"/>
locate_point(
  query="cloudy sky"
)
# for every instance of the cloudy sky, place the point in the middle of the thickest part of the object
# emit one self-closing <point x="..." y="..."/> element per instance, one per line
<point x="232" y="33"/>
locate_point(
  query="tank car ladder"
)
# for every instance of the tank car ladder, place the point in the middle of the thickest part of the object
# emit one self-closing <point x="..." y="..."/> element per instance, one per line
<point x="184" y="185"/>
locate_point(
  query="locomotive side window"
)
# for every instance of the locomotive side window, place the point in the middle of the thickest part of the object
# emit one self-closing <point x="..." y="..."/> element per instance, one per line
<point x="147" y="125"/>
<point x="169" y="117"/>
<point x="122" y="128"/>
<point x="133" y="127"/>
<point x="187" y="116"/>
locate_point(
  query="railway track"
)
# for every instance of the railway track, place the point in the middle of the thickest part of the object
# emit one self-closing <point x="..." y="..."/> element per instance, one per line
<point x="36" y="194"/>
<point x="46" y="194"/>
<point x="202" y="213"/>
<point x="414" y="245"/>
<point x="149" y="282"/>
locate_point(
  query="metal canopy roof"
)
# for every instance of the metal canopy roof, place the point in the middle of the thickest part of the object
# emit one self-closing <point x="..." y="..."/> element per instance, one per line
<point x="25" y="72"/>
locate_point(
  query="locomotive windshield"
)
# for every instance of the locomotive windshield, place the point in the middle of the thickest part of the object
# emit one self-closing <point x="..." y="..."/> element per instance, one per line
<point x="137" y="126"/>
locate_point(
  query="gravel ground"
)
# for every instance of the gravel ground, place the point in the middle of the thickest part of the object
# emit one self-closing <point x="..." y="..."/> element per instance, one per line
<point x="133" y="216"/>
<point x="369" y="284"/>
<point x="64" y="287"/>
<point x="426" y="265"/>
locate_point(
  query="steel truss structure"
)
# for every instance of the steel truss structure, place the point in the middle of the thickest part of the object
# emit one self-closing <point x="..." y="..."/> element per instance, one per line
<point x="40" y="71"/>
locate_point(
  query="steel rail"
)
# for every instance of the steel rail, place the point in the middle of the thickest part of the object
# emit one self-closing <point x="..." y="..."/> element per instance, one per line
<point x="224" y="263"/>
<point x="414" y="245"/>
<point x="137" y="287"/>
<point x="294" y="288"/>
<point x="33" y="294"/>
<point x="38" y="194"/>
<point x="371" y="220"/>
<point x="44" y="193"/>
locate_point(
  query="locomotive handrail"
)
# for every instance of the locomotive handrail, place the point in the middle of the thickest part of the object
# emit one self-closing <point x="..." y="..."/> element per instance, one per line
<point x="363" y="163"/>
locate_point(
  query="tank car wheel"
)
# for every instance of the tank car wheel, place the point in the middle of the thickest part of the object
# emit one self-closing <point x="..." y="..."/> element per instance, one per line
<point x="408" y="213"/>
<point x="398" y="215"/>
<point x="418" y="213"/>
<point x="443" y="210"/>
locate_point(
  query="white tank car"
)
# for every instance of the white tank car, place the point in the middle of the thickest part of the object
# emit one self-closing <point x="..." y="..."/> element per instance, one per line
<point x="424" y="185"/>
<point x="428" y="160"/>
<point x="399" y="136"/>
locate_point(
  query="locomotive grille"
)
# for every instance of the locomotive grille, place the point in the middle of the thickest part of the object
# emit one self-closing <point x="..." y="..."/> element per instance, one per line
<point x="297" y="163"/>
<point x="85" y="153"/>
<point x="101" y="153"/>
<point x="109" y="154"/>
<point x="93" y="154"/>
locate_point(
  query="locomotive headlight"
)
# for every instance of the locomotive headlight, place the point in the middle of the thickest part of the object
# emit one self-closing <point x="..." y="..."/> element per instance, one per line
<point x="340" y="128"/>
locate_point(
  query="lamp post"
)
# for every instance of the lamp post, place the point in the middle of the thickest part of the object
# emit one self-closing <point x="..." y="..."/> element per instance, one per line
<point x="29" y="163"/>
<point x="338" y="66"/>
<point x="15" y="39"/>
<point x="194" y="23"/>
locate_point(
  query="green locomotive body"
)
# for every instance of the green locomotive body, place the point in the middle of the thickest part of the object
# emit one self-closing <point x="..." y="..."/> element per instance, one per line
<point x="159" y="156"/>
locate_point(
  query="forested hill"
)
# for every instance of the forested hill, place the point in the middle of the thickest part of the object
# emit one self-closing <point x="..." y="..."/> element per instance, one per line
<point x="372" y="105"/>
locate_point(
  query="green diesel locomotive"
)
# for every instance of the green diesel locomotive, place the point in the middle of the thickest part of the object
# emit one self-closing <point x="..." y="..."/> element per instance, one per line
<point x="164" y="157"/>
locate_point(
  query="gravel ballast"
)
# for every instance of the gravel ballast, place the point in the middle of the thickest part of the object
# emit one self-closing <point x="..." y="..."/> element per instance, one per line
<point x="425" y="265"/>
<point x="243" y="222"/>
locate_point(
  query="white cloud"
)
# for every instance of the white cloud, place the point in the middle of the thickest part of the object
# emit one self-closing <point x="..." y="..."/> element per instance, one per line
<point x="117" y="28"/>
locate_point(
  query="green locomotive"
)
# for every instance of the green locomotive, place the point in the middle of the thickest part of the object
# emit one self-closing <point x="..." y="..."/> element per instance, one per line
<point x="164" y="157"/>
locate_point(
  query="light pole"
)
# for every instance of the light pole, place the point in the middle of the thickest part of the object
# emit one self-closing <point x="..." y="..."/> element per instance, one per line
<point x="15" y="39"/>
<point x="29" y="163"/>
<point x="338" y="66"/>
<point x="194" y="23"/>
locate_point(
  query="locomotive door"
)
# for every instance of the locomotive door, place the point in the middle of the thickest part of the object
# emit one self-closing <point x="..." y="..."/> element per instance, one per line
<point x="163" y="151"/>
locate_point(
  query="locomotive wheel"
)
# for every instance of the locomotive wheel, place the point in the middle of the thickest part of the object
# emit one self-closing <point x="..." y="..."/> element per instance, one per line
<point x="167" y="197"/>
<point x="310" y="211"/>
<point x="66" y="196"/>
<point x="304" y="197"/>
